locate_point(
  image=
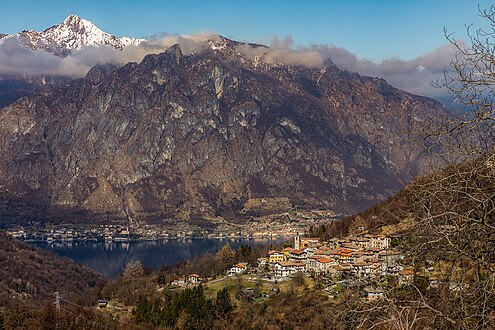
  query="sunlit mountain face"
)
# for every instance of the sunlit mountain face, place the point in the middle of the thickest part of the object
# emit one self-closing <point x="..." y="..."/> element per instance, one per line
<point x="200" y="132"/>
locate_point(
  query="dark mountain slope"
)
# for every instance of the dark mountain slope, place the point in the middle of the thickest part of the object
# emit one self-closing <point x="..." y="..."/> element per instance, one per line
<point x="177" y="135"/>
<point x="33" y="275"/>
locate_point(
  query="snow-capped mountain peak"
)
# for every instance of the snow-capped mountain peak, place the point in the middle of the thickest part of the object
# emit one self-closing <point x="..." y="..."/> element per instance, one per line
<point x="74" y="29"/>
<point x="72" y="34"/>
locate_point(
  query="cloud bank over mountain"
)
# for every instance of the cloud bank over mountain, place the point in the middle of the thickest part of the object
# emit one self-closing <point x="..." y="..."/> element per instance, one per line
<point x="17" y="59"/>
<point x="413" y="75"/>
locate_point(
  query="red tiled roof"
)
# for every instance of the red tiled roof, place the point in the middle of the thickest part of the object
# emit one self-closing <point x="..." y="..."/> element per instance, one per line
<point x="309" y="239"/>
<point x="362" y="239"/>
<point x="376" y="236"/>
<point x="240" y="266"/>
<point x="360" y="264"/>
<point x="406" y="272"/>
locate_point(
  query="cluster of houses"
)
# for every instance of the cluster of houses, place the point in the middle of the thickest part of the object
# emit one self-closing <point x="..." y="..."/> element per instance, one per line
<point x="345" y="262"/>
<point x="361" y="257"/>
<point x="187" y="281"/>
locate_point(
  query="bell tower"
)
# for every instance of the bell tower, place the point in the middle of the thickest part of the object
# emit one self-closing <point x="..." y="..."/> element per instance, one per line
<point x="297" y="242"/>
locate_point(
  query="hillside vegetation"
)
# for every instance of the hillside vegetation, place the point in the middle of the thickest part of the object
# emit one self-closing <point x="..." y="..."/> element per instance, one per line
<point x="30" y="275"/>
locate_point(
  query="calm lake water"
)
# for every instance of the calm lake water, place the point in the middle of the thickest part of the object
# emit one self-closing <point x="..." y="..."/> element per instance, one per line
<point x="110" y="258"/>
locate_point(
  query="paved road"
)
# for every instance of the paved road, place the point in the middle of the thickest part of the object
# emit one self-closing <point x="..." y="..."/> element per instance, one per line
<point x="216" y="281"/>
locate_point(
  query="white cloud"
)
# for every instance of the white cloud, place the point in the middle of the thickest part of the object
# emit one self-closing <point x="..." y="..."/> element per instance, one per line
<point x="411" y="75"/>
<point x="17" y="59"/>
<point x="282" y="52"/>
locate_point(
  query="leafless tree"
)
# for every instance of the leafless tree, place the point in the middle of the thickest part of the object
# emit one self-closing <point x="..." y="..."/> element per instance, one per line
<point x="455" y="208"/>
<point x="471" y="80"/>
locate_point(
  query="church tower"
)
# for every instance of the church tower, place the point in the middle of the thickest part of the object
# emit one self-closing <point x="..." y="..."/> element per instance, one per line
<point x="297" y="242"/>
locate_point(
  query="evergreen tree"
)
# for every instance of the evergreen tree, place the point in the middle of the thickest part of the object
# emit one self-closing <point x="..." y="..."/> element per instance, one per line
<point x="133" y="271"/>
<point x="223" y="304"/>
<point x="225" y="256"/>
<point x="243" y="252"/>
<point x="143" y="311"/>
<point x="167" y="318"/>
<point x="200" y="309"/>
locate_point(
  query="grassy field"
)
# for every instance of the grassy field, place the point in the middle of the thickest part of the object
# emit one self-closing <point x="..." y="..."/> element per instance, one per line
<point x="237" y="283"/>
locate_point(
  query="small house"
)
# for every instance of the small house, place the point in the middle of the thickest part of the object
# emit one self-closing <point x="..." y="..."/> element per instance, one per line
<point x="373" y="293"/>
<point x="193" y="279"/>
<point x="237" y="269"/>
<point x="102" y="303"/>
<point x="287" y="268"/>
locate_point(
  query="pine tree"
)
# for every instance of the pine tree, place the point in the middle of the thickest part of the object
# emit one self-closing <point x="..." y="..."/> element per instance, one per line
<point x="223" y="304"/>
<point x="143" y="311"/>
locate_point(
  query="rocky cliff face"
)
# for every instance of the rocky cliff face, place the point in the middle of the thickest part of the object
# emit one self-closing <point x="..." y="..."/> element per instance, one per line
<point x="180" y="135"/>
<point x="13" y="87"/>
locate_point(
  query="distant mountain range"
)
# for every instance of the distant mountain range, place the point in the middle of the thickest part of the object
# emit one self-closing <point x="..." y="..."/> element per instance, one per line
<point x="201" y="134"/>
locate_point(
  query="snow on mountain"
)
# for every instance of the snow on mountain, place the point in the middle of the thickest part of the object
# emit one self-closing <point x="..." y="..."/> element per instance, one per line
<point x="72" y="34"/>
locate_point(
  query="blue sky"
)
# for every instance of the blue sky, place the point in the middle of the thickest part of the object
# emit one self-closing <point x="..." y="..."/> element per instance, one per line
<point x="371" y="29"/>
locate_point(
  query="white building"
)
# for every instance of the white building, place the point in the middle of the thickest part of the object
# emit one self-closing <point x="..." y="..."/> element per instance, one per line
<point x="237" y="269"/>
<point x="297" y="255"/>
<point x="379" y="241"/>
<point x="287" y="268"/>
<point x="373" y="293"/>
<point x="193" y="279"/>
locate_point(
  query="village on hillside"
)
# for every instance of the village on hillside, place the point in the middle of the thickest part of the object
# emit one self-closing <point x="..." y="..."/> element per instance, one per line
<point x="338" y="262"/>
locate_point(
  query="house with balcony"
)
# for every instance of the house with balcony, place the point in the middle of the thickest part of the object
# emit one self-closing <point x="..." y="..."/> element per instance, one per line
<point x="286" y="268"/>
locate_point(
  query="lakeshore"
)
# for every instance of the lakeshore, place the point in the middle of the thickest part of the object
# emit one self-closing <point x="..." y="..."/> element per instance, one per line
<point x="110" y="258"/>
<point x="275" y="225"/>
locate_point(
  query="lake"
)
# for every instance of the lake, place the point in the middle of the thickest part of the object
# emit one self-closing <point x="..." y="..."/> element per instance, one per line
<point x="110" y="258"/>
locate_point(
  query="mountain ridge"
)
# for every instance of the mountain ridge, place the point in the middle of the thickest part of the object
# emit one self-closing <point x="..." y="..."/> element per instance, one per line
<point x="180" y="136"/>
